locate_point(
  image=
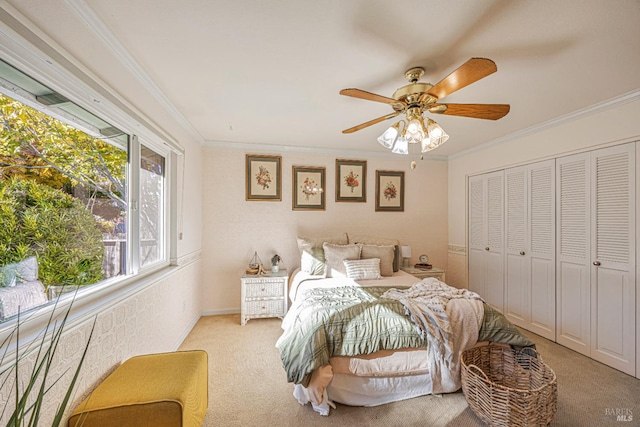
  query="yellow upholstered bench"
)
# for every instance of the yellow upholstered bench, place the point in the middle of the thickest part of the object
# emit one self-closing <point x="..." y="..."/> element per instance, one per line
<point x="159" y="390"/>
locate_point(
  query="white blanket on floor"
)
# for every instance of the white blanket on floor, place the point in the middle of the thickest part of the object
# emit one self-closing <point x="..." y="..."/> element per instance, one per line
<point x="450" y="318"/>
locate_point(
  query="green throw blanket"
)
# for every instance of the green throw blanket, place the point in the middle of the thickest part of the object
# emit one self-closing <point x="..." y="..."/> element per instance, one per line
<point x="350" y="321"/>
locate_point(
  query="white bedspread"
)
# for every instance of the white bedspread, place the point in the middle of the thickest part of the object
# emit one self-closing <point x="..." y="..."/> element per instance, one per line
<point x="450" y="318"/>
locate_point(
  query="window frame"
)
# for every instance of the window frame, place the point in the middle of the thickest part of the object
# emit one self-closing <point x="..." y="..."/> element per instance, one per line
<point x="26" y="51"/>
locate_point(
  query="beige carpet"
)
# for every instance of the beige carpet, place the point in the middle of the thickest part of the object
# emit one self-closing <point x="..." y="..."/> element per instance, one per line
<point x="248" y="387"/>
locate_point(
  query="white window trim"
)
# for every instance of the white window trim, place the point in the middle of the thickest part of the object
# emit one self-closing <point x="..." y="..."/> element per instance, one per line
<point x="35" y="54"/>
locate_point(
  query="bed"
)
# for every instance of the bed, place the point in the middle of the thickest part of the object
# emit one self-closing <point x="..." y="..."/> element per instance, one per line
<point x="350" y="337"/>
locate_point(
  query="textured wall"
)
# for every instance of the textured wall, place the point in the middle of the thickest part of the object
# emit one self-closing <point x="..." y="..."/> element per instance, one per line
<point x="155" y="319"/>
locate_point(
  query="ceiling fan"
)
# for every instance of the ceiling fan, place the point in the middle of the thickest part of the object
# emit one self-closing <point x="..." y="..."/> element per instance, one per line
<point x="416" y="98"/>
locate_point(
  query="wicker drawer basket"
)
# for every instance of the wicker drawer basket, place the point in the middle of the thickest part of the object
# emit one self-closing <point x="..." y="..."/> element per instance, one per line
<point x="509" y="388"/>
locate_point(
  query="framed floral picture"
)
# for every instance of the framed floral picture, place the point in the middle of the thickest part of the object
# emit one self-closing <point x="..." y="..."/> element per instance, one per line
<point x="390" y="191"/>
<point x="351" y="180"/>
<point x="264" y="177"/>
<point x="308" y="188"/>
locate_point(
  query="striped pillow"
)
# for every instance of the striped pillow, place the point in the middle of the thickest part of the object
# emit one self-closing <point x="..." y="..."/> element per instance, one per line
<point x="363" y="269"/>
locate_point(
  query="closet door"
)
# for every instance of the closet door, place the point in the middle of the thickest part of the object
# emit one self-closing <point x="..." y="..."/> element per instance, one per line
<point x="613" y="257"/>
<point x="596" y="279"/>
<point x="495" y="241"/>
<point x="541" y="250"/>
<point x="517" y="262"/>
<point x="573" y="265"/>
<point x="530" y="247"/>
<point x="477" y="235"/>
<point x="486" y="246"/>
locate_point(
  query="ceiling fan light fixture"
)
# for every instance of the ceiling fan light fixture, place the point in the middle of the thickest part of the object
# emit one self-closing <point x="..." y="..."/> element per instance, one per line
<point x="415" y="131"/>
<point x="401" y="146"/>
<point x="389" y="136"/>
<point x="436" y="136"/>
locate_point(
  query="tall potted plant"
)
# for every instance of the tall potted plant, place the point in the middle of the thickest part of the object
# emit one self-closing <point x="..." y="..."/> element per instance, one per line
<point x="30" y="395"/>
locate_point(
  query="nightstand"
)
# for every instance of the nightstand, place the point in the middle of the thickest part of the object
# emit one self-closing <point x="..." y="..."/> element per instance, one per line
<point x="438" y="273"/>
<point x="264" y="296"/>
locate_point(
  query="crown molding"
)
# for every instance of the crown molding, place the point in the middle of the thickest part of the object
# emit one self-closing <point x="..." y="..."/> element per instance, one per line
<point x="93" y="22"/>
<point x="26" y="47"/>
<point x="617" y="101"/>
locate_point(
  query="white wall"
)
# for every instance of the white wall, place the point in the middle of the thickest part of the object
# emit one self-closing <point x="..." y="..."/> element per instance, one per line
<point x="234" y="228"/>
<point x="607" y="126"/>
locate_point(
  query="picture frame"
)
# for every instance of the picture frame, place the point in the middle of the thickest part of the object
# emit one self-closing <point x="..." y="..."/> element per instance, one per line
<point x="308" y="188"/>
<point x="389" y="191"/>
<point x="263" y="178"/>
<point x="351" y="180"/>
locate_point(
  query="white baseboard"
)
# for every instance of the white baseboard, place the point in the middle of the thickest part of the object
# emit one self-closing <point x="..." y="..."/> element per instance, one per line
<point x="220" y="312"/>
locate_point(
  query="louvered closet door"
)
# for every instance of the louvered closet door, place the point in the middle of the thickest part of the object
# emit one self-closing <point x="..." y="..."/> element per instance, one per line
<point x="495" y="240"/>
<point x="486" y="247"/>
<point x="541" y="251"/>
<point x="477" y="235"/>
<point x="613" y="257"/>
<point x="530" y="247"/>
<point x="573" y="286"/>
<point x="517" y="262"/>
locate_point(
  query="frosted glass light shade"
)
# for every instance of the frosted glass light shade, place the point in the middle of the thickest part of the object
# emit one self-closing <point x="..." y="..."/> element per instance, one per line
<point x="389" y="136"/>
<point x="415" y="131"/>
<point x="401" y="146"/>
<point x="436" y="136"/>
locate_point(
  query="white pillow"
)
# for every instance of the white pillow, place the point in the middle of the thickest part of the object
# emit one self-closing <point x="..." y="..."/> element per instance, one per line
<point x="312" y="254"/>
<point x="363" y="269"/>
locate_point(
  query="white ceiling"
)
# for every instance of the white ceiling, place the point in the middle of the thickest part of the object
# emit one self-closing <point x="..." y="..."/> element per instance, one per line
<point x="269" y="72"/>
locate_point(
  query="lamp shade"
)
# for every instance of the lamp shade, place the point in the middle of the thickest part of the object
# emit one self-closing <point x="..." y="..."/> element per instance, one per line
<point x="389" y="136"/>
<point x="405" y="251"/>
<point x="401" y="146"/>
<point x="436" y="136"/>
<point x="415" y="131"/>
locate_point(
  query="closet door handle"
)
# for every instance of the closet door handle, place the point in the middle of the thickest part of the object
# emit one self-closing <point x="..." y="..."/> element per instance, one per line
<point x="487" y="248"/>
<point x="521" y="252"/>
<point x="596" y="263"/>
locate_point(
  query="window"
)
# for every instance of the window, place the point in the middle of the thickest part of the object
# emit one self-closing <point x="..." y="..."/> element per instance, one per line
<point x="70" y="199"/>
<point x="151" y="206"/>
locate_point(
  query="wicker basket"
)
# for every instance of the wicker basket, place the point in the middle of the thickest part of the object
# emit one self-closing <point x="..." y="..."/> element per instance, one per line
<point x="509" y="388"/>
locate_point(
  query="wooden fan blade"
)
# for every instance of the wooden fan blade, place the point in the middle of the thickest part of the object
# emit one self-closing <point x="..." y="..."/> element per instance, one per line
<point x="371" y="122"/>
<point x="357" y="93"/>
<point x="469" y="72"/>
<point x="476" y="111"/>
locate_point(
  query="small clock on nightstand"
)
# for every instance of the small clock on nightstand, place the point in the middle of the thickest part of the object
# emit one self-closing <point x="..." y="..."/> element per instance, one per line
<point x="424" y="262"/>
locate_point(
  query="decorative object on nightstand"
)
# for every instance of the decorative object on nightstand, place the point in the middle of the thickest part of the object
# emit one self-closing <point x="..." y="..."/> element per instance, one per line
<point x="405" y="253"/>
<point x="264" y="296"/>
<point x="424" y="263"/>
<point x="275" y="261"/>
<point x="255" y="266"/>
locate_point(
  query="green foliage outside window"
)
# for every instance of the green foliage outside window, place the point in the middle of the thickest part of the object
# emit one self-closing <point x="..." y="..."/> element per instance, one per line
<point x="36" y="146"/>
<point x="36" y="219"/>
